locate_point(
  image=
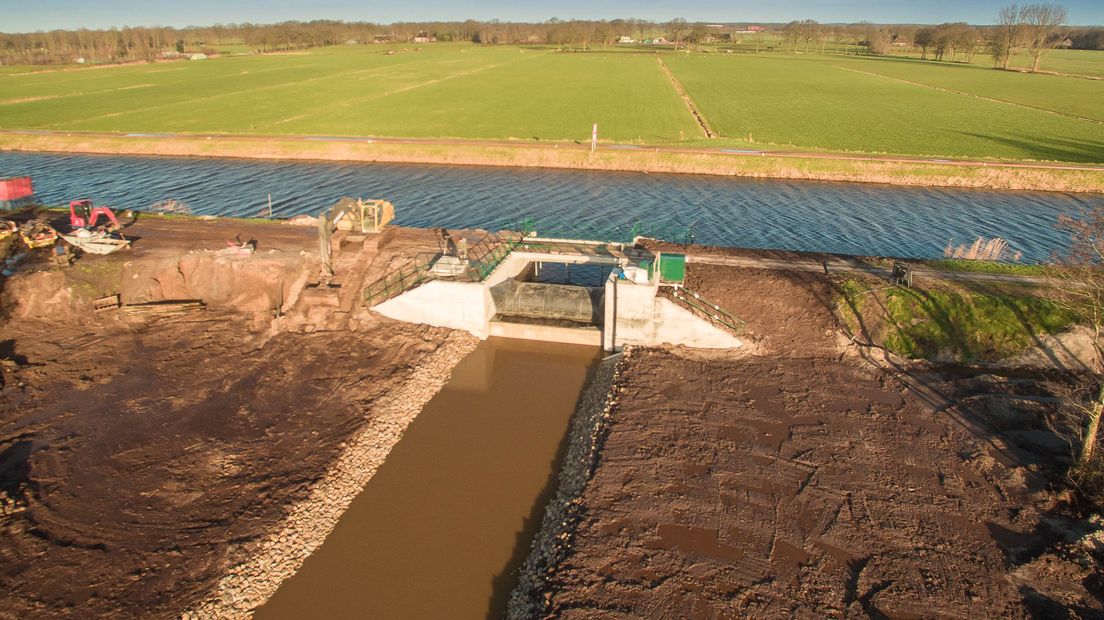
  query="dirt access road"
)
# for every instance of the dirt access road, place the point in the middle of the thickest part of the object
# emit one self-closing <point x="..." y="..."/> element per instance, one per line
<point x="800" y="481"/>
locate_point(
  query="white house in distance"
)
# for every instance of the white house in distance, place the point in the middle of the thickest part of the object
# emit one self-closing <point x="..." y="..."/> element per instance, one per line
<point x="626" y="39"/>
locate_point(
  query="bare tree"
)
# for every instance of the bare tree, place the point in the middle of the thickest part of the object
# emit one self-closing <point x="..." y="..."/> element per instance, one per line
<point x="1080" y="276"/>
<point x="1042" y="29"/>
<point x="924" y="38"/>
<point x="676" y="30"/>
<point x="791" y="34"/>
<point x="809" y="30"/>
<point x="1009" y="33"/>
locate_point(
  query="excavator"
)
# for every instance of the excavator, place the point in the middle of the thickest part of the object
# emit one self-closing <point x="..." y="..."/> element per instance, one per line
<point x="83" y="215"/>
<point x="84" y="235"/>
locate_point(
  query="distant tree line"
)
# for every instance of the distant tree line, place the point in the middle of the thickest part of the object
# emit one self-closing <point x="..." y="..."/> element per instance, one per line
<point x="1034" y="28"/>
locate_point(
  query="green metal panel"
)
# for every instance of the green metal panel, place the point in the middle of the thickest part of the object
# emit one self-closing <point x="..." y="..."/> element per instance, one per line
<point x="672" y="268"/>
<point x="647" y="265"/>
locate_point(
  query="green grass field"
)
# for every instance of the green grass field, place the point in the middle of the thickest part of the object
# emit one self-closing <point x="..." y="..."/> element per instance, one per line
<point x="841" y="103"/>
<point x="1088" y="63"/>
<point x="849" y="103"/>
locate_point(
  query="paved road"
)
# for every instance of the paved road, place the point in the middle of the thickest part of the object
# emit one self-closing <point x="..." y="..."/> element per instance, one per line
<point x="844" y="265"/>
<point x="530" y="144"/>
<point x="833" y="264"/>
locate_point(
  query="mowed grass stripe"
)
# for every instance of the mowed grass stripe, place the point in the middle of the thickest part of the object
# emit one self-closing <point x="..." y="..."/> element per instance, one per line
<point x="810" y="104"/>
<point x="68" y="113"/>
<point x="248" y="109"/>
<point x="207" y="103"/>
<point x="1074" y="96"/>
<point x="342" y="104"/>
<point x="554" y="96"/>
<point x="103" y="79"/>
<point x="965" y="94"/>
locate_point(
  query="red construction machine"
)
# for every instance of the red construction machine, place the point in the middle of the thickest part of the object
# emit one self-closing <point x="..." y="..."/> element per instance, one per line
<point x="83" y="215"/>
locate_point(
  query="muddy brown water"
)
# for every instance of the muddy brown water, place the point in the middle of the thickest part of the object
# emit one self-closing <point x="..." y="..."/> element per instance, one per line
<point x="440" y="529"/>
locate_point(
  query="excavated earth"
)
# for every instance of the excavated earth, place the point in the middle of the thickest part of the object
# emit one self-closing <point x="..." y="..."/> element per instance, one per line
<point x="140" y="457"/>
<point x="802" y="480"/>
<point x="154" y="466"/>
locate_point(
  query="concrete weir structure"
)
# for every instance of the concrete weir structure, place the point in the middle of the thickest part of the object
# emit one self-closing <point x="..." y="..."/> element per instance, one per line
<point x="619" y="312"/>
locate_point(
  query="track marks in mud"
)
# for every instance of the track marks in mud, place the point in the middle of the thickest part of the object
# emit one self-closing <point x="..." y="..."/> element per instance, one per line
<point x="765" y="486"/>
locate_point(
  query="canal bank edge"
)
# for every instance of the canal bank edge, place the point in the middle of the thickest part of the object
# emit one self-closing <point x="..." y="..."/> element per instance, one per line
<point x="252" y="577"/>
<point x="552" y="542"/>
<point x="822" y="167"/>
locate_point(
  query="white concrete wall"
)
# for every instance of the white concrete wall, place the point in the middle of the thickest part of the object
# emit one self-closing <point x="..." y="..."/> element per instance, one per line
<point x="634" y="305"/>
<point x="677" y="325"/>
<point x="456" y="305"/>
<point x="548" y="333"/>
<point x="508" y="268"/>
<point x="641" y="317"/>
<point x="645" y="319"/>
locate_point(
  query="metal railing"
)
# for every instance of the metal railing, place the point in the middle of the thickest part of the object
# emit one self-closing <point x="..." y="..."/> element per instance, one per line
<point x="398" y="281"/>
<point x="608" y="232"/>
<point x="487" y="254"/>
<point x="483" y="257"/>
<point x="705" y="309"/>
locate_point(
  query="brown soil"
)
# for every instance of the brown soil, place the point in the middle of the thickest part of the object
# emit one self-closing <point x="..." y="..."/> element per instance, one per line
<point x="140" y="456"/>
<point x="144" y="463"/>
<point x="805" y="482"/>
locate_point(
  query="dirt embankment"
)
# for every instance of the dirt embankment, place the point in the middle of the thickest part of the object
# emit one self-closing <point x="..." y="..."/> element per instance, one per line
<point x="631" y="158"/>
<point x="802" y="481"/>
<point x="151" y="466"/>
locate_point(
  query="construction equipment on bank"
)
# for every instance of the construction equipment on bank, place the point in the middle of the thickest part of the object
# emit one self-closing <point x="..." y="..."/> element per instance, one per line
<point x="86" y="237"/>
<point x="82" y="214"/>
<point x="38" y="234"/>
<point x="16" y="193"/>
<point x="7" y="228"/>
<point x="901" y="275"/>
<point x="95" y="241"/>
<point x="350" y="214"/>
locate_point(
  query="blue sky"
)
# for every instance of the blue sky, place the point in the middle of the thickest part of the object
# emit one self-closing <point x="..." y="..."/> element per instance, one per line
<point x="22" y="16"/>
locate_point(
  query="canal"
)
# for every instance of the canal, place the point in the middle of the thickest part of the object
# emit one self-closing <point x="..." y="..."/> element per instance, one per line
<point x="440" y="529"/>
<point x="848" y="218"/>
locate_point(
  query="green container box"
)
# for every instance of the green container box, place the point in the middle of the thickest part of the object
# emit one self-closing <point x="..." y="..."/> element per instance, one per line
<point x="672" y="268"/>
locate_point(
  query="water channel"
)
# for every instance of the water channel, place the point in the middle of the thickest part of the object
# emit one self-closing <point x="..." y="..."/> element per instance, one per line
<point x="440" y="529"/>
<point x="847" y="218"/>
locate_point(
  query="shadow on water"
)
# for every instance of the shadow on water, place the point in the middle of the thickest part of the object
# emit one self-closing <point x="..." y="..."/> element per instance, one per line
<point x="506" y="580"/>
